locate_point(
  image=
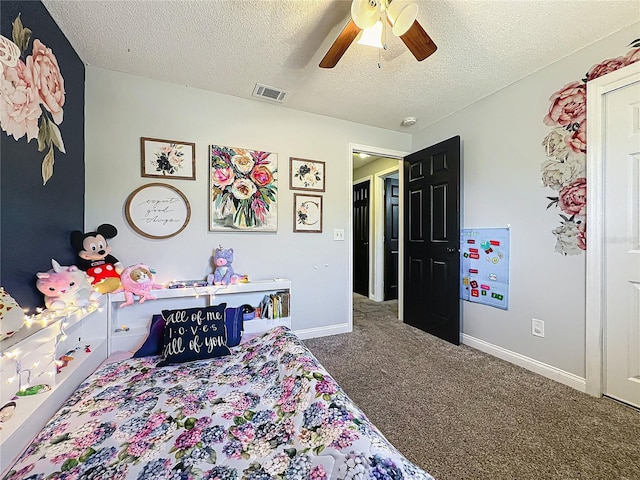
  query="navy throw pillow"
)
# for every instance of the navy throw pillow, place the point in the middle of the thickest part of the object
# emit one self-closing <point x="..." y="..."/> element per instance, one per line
<point x="233" y="322"/>
<point x="194" y="334"/>
<point x="154" y="341"/>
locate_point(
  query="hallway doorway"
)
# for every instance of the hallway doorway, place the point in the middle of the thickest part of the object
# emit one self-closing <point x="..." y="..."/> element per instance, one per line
<point x="381" y="171"/>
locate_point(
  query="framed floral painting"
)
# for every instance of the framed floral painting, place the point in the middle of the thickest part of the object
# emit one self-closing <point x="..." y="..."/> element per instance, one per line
<point x="243" y="190"/>
<point x="306" y="174"/>
<point x="307" y="213"/>
<point x="168" y="158"/>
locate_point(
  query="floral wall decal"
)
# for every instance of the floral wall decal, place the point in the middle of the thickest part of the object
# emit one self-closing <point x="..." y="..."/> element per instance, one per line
<point x="38" y="108"/>
<point x="243" y="189"/>
<point x="564" y="170"/>
<point x="32" y="93"/>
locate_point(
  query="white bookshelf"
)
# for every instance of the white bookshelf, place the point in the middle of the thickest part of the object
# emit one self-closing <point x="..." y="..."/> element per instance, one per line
<point x="137" y="317"/>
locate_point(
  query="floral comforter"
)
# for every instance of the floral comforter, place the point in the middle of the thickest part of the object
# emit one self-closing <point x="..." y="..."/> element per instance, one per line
<point x="268" y="411"/>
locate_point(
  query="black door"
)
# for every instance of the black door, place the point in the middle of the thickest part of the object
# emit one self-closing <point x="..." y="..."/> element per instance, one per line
<point x="361" y="238"/>
<point x="432" y="240"/>
<point x="391" y="235"/>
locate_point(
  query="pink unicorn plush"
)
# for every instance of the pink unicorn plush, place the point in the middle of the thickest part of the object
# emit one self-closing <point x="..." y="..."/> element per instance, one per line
<point x="64" y="286"/>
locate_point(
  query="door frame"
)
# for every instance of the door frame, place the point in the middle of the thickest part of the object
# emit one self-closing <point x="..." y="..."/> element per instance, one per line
<point x="376" y="240"/>
<point x="371" y="266"/>
<point x="595" y="266"/>
<point x="378" y="280"/>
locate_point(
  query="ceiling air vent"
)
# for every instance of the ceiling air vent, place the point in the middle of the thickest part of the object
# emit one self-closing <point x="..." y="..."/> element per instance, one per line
<point x="269" y="93"/>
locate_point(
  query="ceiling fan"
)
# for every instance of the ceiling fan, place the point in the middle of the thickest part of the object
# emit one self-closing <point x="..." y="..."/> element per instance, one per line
<point x="365" y="14"/>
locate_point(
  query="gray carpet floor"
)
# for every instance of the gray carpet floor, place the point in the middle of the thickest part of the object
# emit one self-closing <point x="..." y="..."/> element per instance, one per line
<point x="462" y="414"/>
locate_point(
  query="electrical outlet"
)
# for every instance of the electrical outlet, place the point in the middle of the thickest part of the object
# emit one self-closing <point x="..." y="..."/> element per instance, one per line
<point x="537" y="327"/>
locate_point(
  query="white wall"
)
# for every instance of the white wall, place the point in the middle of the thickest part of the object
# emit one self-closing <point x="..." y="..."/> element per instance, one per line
<point x="122" y="108"/>
<point x="501" y="155"/>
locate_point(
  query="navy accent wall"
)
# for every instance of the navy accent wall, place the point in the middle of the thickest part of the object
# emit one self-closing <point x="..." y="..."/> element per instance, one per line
<point x="36" y="219"/>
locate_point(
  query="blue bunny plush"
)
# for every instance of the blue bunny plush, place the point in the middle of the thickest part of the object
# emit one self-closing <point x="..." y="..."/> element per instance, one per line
<point x="223" y="273"/>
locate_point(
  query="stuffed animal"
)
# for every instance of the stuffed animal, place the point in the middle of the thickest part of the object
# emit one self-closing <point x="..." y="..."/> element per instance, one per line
<point x="223" y="273"/>
<point x="64" y="286"/>
<point x="94" y="257"/>
<point x="137" y="280"/>
<point x="11" y="315"/>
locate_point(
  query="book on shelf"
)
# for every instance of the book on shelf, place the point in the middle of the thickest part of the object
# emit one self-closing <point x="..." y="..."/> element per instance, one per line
<point x="275" y="305"/>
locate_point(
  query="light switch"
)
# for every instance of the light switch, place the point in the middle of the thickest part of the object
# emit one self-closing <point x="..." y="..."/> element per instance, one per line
<point x="338" y="234"/>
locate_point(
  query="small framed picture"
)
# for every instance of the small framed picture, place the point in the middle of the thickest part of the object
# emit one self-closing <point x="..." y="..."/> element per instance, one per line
<point x="306" y="174"/>
<point x="307" y="213"/>
<point x="168" y="158"/>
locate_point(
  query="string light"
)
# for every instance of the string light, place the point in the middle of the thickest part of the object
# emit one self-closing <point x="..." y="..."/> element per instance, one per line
<point x="12" y="355"/>
<point x="45" y="318"/>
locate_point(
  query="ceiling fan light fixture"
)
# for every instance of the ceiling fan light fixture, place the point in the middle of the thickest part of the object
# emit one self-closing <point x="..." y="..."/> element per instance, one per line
<point x="402" y="17"/>
<point x="372" y="36"/>
<point x="365" y="13"/>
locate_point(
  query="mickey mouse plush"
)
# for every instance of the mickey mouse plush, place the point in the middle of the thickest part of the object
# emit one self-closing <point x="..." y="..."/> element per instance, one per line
<point x="94" y="257"/>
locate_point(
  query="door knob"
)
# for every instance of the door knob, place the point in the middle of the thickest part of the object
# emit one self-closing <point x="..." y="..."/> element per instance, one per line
<point x="452" y="250"/>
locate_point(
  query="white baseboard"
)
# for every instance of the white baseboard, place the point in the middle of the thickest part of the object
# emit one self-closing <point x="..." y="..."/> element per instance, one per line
<point x="323" y="331"/>
<point x="566" y="378"/>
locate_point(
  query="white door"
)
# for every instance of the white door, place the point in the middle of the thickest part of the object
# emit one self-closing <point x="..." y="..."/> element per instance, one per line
<point x="621" y="169"/>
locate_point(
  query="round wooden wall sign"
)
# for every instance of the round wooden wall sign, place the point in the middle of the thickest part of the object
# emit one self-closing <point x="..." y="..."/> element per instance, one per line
<point x="157" y="210"/>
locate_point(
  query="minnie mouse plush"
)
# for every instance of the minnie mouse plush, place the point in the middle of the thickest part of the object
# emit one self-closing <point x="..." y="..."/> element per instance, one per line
<point x="94" y="257"/>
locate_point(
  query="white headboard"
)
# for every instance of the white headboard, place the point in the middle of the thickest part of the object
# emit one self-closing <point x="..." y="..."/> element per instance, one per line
<point x="130" y="325"/>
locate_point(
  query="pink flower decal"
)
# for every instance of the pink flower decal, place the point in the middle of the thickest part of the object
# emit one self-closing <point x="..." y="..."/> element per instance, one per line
<point x="568" y="105"/>
<point x="605" y="67"/>
<point x="572" y="199"/>
<point x="47" y="79"/>
<point x="632" y="56"/>
<point x="577" y="141"/>
<point x="19" y="102"/>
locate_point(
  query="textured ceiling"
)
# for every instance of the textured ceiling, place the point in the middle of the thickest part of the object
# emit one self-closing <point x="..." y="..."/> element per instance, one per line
<point x="227" y="46"/>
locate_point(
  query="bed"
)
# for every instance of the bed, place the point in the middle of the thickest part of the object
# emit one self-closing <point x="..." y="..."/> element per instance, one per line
<point x="267" y="410"/>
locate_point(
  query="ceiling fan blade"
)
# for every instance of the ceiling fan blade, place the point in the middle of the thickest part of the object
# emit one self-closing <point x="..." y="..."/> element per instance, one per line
<point x="340" y="45"/>
<point x="418" y="42"/>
